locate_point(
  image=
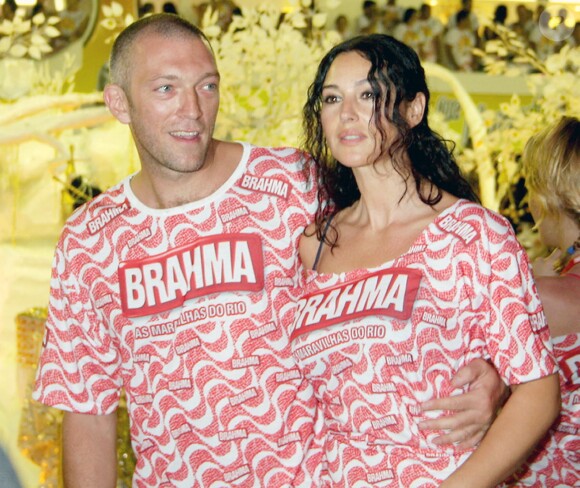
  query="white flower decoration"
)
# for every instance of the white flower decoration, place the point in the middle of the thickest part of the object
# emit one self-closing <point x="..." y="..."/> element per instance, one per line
<point x="27" y="38"/>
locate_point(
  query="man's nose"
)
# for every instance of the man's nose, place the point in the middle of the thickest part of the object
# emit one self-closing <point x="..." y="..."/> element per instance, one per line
<point x="189" y="105"/>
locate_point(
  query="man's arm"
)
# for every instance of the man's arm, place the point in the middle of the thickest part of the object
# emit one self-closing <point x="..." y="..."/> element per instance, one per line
<point x="472" y="412"/>
<point x="89" y="450"/>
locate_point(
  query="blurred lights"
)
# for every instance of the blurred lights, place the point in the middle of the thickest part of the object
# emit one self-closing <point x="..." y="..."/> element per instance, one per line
<point x="60" y="5"/>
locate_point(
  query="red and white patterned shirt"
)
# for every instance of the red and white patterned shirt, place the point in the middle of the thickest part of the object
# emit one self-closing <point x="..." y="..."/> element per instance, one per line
<point x="555" y="462"/>
<point x="376" y="343"/>
<point x="188" y="309"/>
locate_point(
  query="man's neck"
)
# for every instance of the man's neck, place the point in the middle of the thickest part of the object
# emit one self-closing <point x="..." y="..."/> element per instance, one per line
<point x="162" y="188"/>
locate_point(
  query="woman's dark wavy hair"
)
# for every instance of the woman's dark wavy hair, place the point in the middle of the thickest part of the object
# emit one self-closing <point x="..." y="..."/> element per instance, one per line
<point x="395" y="72"/>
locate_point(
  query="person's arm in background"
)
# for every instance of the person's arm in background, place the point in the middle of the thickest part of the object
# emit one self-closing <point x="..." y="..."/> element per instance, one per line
<point x="449" y="56"/>
<point x="89" y="450"/>
<point x="473" y="412"/>
<point x="522" y="422"/>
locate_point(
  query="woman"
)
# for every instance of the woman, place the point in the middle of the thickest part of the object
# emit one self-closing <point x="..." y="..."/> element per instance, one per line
<point x="406" y="280"/>
<point x="552" y="167"/>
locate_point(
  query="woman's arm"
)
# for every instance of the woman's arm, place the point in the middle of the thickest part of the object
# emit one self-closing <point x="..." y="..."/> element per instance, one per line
<point x="521" y="424"/>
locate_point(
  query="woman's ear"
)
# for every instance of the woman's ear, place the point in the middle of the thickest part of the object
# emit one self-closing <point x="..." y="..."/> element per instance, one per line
<point x="415" y="109"/>
<point x="117" y="102"/>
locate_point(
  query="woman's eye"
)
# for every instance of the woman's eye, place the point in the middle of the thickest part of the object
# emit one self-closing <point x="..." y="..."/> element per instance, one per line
<point x="368" y="95"/>
<point x="330" y="99"/>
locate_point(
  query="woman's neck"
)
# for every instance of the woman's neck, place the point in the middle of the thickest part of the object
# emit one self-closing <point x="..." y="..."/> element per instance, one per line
<point x="570" y="256"/>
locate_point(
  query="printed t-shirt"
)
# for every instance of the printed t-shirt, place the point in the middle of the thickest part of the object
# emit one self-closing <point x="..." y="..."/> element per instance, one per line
<point x="410" y="35"/>
<point x="376" y="343"/>
<point x="430" y="28"/>
<point x="473" y="21"/>
<point x="187" y="309"/>
<point x="462" y="43"/>
<point x="555" y="461"/>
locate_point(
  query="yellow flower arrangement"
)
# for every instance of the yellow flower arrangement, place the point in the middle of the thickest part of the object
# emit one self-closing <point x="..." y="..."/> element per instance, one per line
<point x="24" y="37"/>
<point x="267" y="59"/>
<point x="555" y="92"/>
<point x="115" y="20"/>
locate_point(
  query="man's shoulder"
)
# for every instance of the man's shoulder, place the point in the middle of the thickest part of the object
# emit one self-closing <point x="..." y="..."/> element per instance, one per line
<point x="452" y="33"/>
<point x="282" y="152"/>
<point x="113" y="200"/>
<point x="284" y="167"/>
<point x="278" y="158"/>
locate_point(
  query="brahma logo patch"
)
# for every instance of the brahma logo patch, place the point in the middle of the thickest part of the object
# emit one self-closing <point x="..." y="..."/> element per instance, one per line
<point x="462" y="230"/>
<point x="272" y="186"/>
<point x="105" y="214"/>
<point x="231" y="262"/>
<point x="389" y="292"/>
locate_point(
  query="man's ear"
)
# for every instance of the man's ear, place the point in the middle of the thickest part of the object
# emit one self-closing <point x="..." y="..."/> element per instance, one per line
<point x="415" y="110"/>
<point x="117" y="102"/>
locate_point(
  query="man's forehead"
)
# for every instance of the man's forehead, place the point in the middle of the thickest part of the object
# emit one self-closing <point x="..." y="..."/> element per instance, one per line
<point x="158" y="32"/>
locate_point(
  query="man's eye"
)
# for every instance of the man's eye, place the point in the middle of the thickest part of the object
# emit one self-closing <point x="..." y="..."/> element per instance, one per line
<point x="164" y="88"/>
<point x="211" y="86"/>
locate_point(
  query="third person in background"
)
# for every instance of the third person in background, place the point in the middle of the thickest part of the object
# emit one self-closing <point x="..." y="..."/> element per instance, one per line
<point x="552" y="172"/>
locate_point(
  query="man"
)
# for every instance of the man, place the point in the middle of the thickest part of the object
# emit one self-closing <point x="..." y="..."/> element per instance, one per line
<point x="178" y="285"/>
<point x="431" y="29"/>
<point x="459" y="43"/>
<point x="392" y="16"/>
<point x="471" y="16"/>
<point x="369" y="20"/>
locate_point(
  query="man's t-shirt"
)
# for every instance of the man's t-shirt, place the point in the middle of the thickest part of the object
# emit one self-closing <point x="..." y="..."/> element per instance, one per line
<point x="188" y="309"/>
<point x="462" y="43"/>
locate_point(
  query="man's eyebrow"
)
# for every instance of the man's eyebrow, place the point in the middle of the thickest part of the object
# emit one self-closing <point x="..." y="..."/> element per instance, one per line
<point x="211" y="74"/>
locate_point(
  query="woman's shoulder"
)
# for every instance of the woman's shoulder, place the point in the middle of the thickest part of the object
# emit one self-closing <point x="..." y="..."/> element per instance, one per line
<point x="308" y="246"/>
<point x="561" y="300"/>
<point x="475" y="212"/>
<point x="473" y="222"/>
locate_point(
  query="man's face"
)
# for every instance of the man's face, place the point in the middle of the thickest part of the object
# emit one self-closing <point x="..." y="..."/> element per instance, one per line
<point x="371" y="11"/>
<point x="173" y="98"/>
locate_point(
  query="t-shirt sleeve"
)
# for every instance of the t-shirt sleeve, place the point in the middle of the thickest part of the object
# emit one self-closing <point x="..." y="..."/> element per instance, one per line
<point x="79" y="366"/>
<point x="517" y="336"/>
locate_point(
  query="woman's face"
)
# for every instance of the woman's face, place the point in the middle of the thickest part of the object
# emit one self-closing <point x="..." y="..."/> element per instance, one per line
<point x="548" y="227"/>
<point x="347" y="112"/>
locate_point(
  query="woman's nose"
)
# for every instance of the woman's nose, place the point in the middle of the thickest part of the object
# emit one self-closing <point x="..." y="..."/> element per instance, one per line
<point x="347" y="110"/>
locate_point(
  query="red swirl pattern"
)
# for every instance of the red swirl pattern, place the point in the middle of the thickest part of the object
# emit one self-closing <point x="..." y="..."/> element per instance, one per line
<point x="476" y="298"/>
<point x="555" y="462"/>
<point x="213" y="393"/>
